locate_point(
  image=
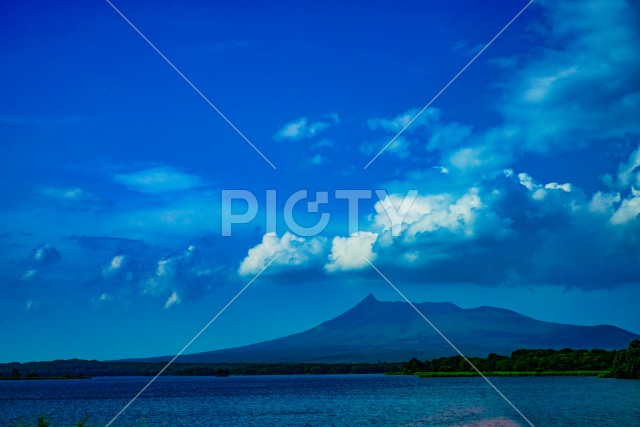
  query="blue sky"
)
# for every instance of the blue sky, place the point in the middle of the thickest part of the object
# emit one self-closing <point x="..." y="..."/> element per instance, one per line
<point x="112" y="167"/>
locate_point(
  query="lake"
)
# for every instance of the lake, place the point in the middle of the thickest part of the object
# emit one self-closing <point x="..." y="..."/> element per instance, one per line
<point x="332" y="400"/>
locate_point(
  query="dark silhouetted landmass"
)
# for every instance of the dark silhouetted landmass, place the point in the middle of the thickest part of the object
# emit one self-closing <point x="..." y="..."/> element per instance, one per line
<point x="375" y="330"/>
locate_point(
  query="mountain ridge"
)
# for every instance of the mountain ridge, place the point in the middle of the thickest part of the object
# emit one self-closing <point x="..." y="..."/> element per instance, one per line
<point x="375" y="330"/>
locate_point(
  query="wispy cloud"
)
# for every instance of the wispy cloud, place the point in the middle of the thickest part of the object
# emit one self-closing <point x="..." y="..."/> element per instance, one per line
<point x="399" y="147"/>
<point x="395" y="124"/>
<point x="172" y="300"/>
<point x="69" y="193"/>
<point x="158" y="180"/>
<point x="304" y="128"/>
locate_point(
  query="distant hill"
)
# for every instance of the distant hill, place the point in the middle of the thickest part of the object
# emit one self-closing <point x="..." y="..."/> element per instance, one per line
<point x="392" y="331"/>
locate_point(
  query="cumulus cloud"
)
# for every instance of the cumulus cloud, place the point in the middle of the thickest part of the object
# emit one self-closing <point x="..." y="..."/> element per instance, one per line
<point x="291" y="251"/>
<point x="510" y="229"/>
<point x="304" y="128"/>
<point x="500" y="228"/>
<point x="158" y="180"/>
<point x="429" y="213"/>
<point x="349" y="253"/>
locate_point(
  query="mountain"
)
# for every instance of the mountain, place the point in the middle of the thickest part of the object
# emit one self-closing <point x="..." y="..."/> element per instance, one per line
<point x="392" y="331"/>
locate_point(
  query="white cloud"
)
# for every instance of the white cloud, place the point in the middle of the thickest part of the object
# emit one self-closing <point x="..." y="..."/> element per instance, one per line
<point x="604" y="202"/>
<point x="399" y="147"/>
<point x="172" y="300"/>
<point x="540" y="87"/>
<point x="116" y="265"/>
<point x="447" y="136"/>
<point x="440" y="136"/>
<point x="158" y="180"/>
<point x="167" y="271"/>
<point x="291" y="251"/>
<point x="347" y="253"/>
<point x="395" y="124"/>
<point x="317" y="160"/>
<point x="555" y="97"/>
<point x="552" y="98"/>
<point x="526" y="180"/>
<point x="303" y="128"/>
<point x="566" y="187"/>
<point x="442" y="169"/>
<point x="539" y="191"/>
<point x="71" y="193"/>
<point x="429" y="213"/>
<point x="629" y="171"/>
<point x="189" y="273"/>
<point x="628" y="210"/>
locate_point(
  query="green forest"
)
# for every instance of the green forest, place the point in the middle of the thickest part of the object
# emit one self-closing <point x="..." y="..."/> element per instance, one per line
<point x="624" y="364"/>
<point x="77" y="368"/>
<point x="607" y="363"/>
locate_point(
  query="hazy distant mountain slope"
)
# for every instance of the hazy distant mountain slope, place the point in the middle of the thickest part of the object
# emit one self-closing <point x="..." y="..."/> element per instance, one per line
<point x="392" y="331"/>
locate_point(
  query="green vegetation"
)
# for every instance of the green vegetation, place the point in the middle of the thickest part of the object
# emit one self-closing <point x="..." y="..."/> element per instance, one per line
<point x="514" y="374"/>
<point x="566" y="362"/>
<point x="76" y="368"/>
<point x="626" y="363"/>
<point x="614" y="364"/>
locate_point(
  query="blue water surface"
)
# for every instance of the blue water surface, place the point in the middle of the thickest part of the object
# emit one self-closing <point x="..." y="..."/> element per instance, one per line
<point x="326" y="400"/>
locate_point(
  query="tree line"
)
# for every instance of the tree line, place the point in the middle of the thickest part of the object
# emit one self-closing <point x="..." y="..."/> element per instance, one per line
<point x="78" y="368"/>
<point x="614" y="363"/>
